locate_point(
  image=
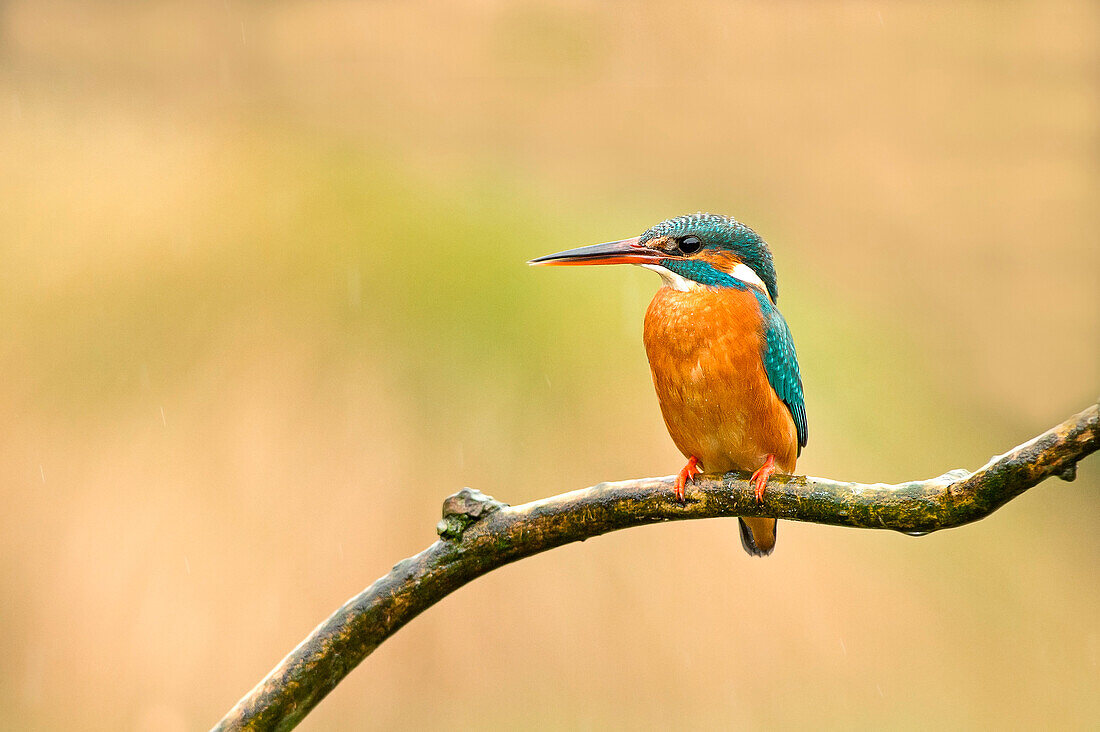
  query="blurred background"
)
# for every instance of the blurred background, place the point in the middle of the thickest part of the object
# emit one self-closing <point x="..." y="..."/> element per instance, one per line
<point x="264" y="306"/>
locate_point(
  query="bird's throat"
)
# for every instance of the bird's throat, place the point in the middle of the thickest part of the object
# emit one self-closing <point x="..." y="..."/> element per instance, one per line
<point x="685" y="275"/>
<point x="671" y="279"/>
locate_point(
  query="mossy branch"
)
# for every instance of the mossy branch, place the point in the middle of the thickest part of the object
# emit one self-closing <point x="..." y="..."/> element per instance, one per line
<point x="479" y="534"/>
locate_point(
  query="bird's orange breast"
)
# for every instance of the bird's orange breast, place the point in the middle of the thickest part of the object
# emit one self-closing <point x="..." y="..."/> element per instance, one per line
<point x="704" y="347"/>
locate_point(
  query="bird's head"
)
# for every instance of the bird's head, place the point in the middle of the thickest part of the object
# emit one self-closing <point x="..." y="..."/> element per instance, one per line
<point x="699" y="249"/>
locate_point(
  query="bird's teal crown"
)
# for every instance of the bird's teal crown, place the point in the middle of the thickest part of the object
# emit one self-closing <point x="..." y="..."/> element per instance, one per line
<point x="717" y="232"/>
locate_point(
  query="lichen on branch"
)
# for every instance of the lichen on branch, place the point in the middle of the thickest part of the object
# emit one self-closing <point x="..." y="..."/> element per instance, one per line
<point x="479" y="534"/>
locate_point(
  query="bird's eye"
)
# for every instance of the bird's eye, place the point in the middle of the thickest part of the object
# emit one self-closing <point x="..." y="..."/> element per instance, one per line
<point x="690" y="244"/>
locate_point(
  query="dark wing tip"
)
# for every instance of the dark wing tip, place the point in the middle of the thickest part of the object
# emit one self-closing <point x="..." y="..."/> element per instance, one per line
<point x="803" y="427"/>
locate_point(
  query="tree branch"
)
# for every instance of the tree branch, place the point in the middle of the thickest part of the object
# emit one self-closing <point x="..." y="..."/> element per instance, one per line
<point x="479" y="534"/>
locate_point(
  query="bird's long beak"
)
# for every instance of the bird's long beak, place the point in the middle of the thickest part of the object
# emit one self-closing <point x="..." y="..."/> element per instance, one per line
<point x="626" y="251"/>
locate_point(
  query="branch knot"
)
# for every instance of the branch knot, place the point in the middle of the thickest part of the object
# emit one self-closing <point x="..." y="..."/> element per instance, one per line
<point x="463" y="509"/>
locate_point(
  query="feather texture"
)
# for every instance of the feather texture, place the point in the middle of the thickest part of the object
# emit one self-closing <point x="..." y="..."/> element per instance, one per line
<point x="727" y="381"/>
<point x="781" y="365"/>
<point x="707" y="351"/>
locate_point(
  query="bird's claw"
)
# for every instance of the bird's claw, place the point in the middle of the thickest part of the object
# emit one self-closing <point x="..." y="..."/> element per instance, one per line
<point x="759" y="479"/>
<point x="687" y="475"/>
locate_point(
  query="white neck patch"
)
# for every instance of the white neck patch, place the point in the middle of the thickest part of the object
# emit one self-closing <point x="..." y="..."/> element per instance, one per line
<point x="746" y="274"/>
<point x="742" y="272"/>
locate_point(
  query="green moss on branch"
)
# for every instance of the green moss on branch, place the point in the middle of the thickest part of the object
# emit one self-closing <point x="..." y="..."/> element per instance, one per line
<point x="479" y="534"/>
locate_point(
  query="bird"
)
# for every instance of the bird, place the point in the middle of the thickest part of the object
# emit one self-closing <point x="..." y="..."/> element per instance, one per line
<point x="721" y="354"/>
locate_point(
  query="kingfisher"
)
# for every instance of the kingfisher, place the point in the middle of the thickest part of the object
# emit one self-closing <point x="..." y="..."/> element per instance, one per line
<point x="721" y="354"/>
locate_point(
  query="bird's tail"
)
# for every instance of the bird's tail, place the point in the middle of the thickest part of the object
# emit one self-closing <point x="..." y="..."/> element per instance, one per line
<point x="758" y="535"/>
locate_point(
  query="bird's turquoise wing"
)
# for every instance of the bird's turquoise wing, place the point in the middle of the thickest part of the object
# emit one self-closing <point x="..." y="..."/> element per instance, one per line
<point x="781" y="365"/>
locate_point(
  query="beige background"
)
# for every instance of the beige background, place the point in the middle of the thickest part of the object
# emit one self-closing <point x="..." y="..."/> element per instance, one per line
<point x="264" y="305"/>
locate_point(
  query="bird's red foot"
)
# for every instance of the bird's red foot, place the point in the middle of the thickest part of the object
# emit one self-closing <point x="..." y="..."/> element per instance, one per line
<point x="686" y="475"/>
<point x="759" y="479"/>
